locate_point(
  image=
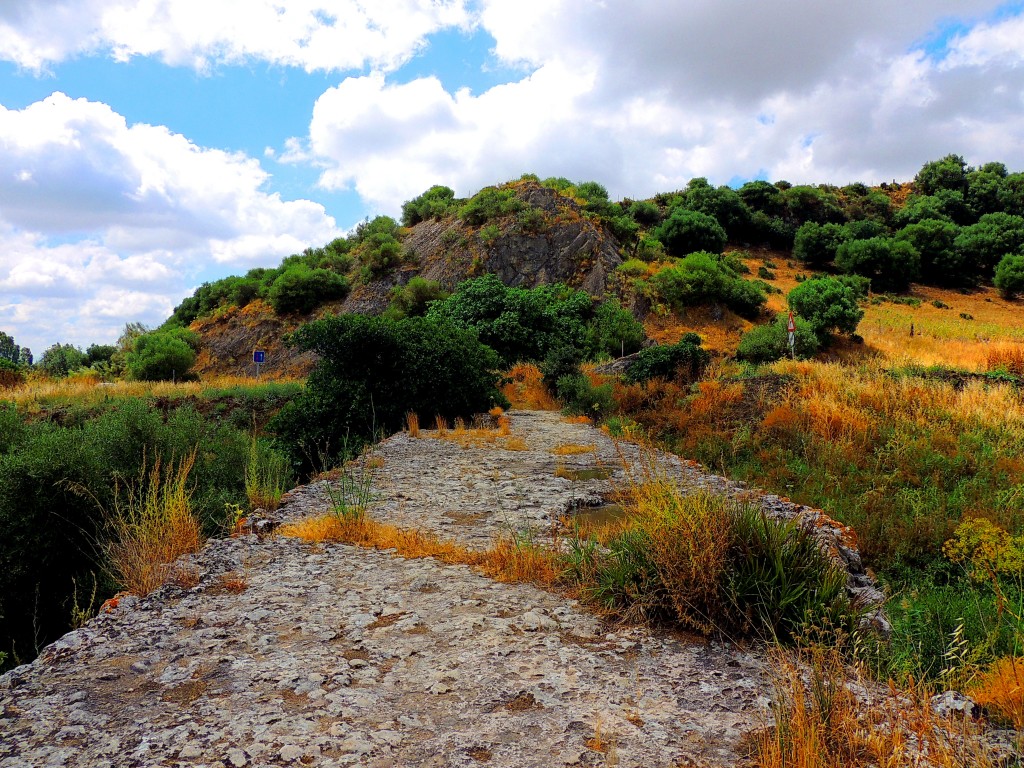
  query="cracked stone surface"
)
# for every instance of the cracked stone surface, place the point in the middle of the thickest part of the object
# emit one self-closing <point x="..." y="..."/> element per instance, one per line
<point x="287" y="653"/>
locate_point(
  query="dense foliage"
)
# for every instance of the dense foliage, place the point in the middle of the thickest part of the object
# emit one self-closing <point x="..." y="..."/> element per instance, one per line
<point x="684" y="360"/>
<point x="701" y="278"/>
<point x="371" y="371"/>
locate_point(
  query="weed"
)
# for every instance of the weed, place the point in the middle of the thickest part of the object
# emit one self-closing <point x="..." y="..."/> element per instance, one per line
<point x="80" y="614"/>
<point x="412" y="424"/>
<point x="1001" y="691"/>
<point x="267" y="476"/>
<point x="515" y="444"/>
<point x="571" y="449"/>
<point x="152" y="525"/>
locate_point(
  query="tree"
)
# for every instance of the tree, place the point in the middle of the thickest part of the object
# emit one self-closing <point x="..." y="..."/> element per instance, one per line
<point x="982" y="245"/>
<point x="890" y="264"/>
<point x="8" y="349"/>
<point x="372" y="370"/>
<point x="941" y="262"/>
<point x="816" y="244"/>
<point x="686" y="231"/>
<point x="159" y="356"/>
<point x="99" y="353"/>
<point x="828" y="305"/>
<point x="948" y="173"/>
<point x="61" y="359"/>
<point x="702" y="278"/>
<point x="413" y="299"/>
<point x="721" y="203"/>
<point x="685" y="359"/>
<point x="1009" y="277"/>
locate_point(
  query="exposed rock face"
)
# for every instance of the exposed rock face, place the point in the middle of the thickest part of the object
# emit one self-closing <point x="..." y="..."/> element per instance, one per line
<point x="287" y="653"/>
<point x="566" y="248"/>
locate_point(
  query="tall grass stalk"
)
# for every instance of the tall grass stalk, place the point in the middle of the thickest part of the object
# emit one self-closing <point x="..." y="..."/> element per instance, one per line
<point x="152" y="525"/>
<point x="267" y="476"/>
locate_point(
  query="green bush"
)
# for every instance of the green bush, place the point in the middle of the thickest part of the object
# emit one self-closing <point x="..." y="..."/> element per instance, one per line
<point x="371" y="371"/>
<point x="816" y="244"/>
<point x="490" y="203"/>
<point x="413" y="299"/>
<point x="61" y="359"/>
<point x="701" y="278"/>
<point x="687" y="231"/>
<point x="301" y="289"/>
<point x="613" y="331"/>
<point x="581" y="398"/>
<point x="1009" y="277"/>
<point x="721" y="203"/>
<point x="982" y="245"/>
<point x="685" y="359"/>
<point x="949" y="173"/>
<point x="160" y="356"/>
<point x="767" y="343"/>
<point x="828" y="306"/>
<point x="941" y="262"/>
<point x="890" y="264"/>
<point x="645" y="213"/>
<point x="436" y="202"/>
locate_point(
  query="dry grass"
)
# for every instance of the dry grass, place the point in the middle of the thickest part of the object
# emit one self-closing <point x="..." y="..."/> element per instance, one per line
<point x="526" y="390"/>
<point x="152" y="525"/>
<point x="572" y="449"/>
<point x="412" y="424"/>
<point x="513" y="443"/>
<point x="481" y="435"/>
<point x="577" y="420"/>
<point x="1001" y="691"/>
<point x="509" y="560"/>
<point x="267" y="476"/>
<point x="821" y="722"/>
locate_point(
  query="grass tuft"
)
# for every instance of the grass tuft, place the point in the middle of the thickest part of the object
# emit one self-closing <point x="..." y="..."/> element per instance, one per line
<point x="267" y="476"/>
<point x="152" y="525"/>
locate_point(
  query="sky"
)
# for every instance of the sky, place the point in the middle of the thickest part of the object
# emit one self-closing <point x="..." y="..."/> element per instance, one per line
<point x="147" y="146"/>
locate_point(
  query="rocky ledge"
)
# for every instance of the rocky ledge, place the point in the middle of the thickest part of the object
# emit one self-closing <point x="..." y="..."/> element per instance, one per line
<point x="286" y="653"/>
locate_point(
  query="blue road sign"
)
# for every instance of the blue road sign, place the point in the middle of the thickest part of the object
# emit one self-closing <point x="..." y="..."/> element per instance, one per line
<point x="259" y="356"/>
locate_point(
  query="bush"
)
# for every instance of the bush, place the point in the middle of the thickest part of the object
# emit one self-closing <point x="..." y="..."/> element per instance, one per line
<point x="61" y="359"/>
<point x="827" y="305"/>
<point x="941" y="262"/>
<point x="436" y="202"/>
<point x="581" y="398"/>
<point x="490" y="203"/>
<point x="645" y="213"/>
<point x="949" y="173"/>
<point x="816" y="244"/>
<point x="613" y="331"/>
<point x="301" y="289"/>
<point x="890" y="264"/>
<point x="372" y="371"/>
<point x="1009" y="277"/>
<point x="982" y="245"/>
<point x="701" y="278"/>
<point x="685" y="359"/>
<point x="687" y="231"/>
<point x="159" y="356"/>
<point x="767" y="343"/>
<point x="414" y="298"/>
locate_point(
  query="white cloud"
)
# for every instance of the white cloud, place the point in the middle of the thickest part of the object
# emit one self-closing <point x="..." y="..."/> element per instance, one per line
<point x="102" y="222"/>
<point x="644" y="95"/>
<point x="311" y="34"/>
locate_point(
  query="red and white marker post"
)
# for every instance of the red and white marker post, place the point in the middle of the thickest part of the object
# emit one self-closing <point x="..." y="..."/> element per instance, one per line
<point x="792" y="336"/>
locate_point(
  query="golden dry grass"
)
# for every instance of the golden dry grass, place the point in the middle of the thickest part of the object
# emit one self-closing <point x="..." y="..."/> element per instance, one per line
<point x="526" y="390"/>
<point x="152" y="525"/>
<point x="508" y="560"/>
<point x="412" y="424"/>
<point x="1001" y="691"/>
<point x="38" y="392"/>
<point x="572" y="449"/>
<point x="819" y="722"/>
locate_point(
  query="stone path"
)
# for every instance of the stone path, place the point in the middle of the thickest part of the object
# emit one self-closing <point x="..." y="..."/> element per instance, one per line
<point x="330" y="655"/>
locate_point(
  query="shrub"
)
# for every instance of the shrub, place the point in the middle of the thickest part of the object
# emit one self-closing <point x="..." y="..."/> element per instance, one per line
<point x="685" y="359"/>
<point x="436" y="202"/>
<point x="721" y="203"/>
<point x="490" y="203"/>
<point x="301" y="289"/>
<point x="613" y="331"/>
<point x="949" y="173"/>
<point x="767" y="343"/>
<point x="372" y="371"/>
<point x="890" y="264"/>
<point x="941" y="262"/>
<point x="816" y="244"/>
<point x="827" y="305"/>
<point x="701" y="278"/>
<point x="414" y="298"/>
<point x="159" y="356"/>
<point x="1009" y="277"/>
<point x="267" y="475"/>
<point x="645" y="213"/>
<point x="581" y="398"/>
<point x="687" y="231"/>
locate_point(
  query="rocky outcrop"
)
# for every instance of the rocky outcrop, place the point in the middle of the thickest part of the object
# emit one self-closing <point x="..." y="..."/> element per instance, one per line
<point x="560" y="245"/>
<point x="273" y="652"/>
